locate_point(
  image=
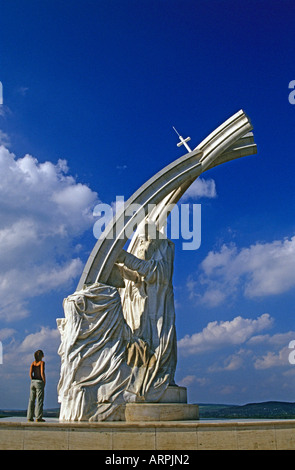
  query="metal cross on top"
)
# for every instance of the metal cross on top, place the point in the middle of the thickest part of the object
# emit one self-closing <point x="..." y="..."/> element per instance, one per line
<point x="183" y="141"/>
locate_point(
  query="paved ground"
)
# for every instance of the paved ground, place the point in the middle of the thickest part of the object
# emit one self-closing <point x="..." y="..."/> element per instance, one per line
<point x="23" y="419"/>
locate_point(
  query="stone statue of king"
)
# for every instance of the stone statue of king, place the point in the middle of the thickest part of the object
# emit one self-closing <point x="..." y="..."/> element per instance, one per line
<point x="120" y="349"/>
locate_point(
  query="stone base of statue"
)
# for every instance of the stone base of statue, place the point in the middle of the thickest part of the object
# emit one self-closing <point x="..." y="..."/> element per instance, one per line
<point x="135" y="412"/>
<point x="173" y="406"/>
<point x="174" y="394"/>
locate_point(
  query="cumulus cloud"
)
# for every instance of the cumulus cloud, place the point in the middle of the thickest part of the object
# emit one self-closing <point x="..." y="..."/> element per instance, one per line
<point x="274" y="341"/>
<point x="189" y="380"/>
<point x="47" y="339"/>
<point x="17" y="357"/>
<point x="6" y="333"/>
<point x="231" y="363"/>
<point x="272" y="359"/>
<point x="277" y="350"/>
<point x="201" y="188"/>
<point x="224" y="333"/>
<point x="259" y="270"/>
<point x="4" y="138"/>
<point x="42" y="212"/>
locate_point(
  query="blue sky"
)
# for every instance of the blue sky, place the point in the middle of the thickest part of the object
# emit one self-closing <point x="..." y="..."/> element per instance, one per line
<point x="91" y="90"/>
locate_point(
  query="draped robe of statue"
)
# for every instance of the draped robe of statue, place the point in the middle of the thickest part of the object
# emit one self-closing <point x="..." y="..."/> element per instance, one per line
<point x="148" y="307"/>
<point x="94" y="371"/>
<point x="105" y="363"/>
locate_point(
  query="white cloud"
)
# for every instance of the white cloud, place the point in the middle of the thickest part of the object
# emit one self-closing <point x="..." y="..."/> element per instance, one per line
<point x="276" y="340"/>
<point x="42" y="212"/>
<point x="231" y="363"/>
<point x="4" y="138"/>
<point x="272" y="359"/>
<point x="201" y="188"/>
<point x="6" y="333"/>
<point x="189" y="380"/>
<point x="260" y="270"/>
<point x="20" y="354"/>
<point x="224" y="333"/>
<point x="278" y="355"/>
<point x="4" y="110"/>
<point x="46" y="339"/>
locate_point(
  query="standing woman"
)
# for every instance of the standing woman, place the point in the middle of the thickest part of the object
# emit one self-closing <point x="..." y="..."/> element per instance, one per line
<point x="37" y="375"/>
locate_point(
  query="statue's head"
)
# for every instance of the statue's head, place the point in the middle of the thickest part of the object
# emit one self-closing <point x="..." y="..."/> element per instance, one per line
<point x="149" y="240"/>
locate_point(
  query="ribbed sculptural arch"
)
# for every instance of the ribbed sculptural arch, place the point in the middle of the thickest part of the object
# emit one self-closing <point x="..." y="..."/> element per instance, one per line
<point x="232" y="139"/>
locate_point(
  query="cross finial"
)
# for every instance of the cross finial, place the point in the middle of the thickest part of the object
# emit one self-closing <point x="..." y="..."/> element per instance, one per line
<point x="183" y="141"/>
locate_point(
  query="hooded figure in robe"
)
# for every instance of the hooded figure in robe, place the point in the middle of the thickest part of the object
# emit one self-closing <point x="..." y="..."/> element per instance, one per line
<point x="94" y="343"/>
<point x="112" y="356"/>
<point x="148" y="307"/>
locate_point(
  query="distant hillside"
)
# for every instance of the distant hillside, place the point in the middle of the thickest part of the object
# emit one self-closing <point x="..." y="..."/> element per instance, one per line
<point x="264" y="410"/>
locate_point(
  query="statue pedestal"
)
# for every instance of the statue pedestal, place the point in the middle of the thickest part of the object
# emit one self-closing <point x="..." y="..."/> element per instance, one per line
<point x="161" y="412"/>
<point x="174" y="394"/>
<point x="172" y="407"/>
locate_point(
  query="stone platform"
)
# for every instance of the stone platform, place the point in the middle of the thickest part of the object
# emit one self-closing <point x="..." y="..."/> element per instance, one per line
<point x="160" y="412"/>
<point x="173" y="406"/>
<point x="153" y="435"/>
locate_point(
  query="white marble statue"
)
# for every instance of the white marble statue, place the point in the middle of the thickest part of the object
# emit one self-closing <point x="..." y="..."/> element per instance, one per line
<point x="148" y="307"/>
<point x="108" y="360"/>
<point x="94" y="371"/>
<point x="118" y="338"/>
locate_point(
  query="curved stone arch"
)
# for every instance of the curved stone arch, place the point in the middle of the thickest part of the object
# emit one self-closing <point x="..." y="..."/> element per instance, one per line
<point x="229" y="141"/>
<point x="242" y="147"/>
